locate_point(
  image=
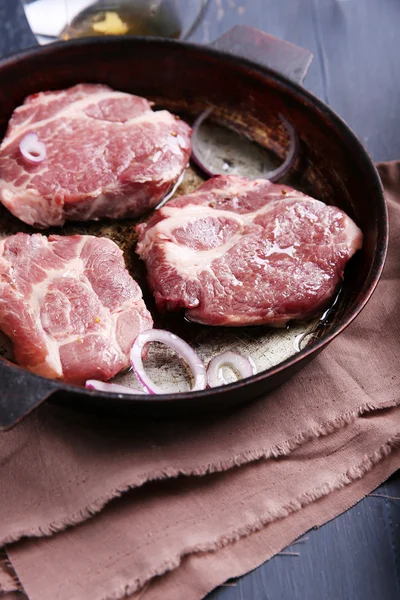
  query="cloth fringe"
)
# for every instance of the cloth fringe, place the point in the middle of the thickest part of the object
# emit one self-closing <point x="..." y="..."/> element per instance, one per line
<point x="282" y="449"/>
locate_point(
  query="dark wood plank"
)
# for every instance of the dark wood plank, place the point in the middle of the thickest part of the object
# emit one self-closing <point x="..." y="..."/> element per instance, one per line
<point x="354" y="557"/>
<point x="15" y="33"/>
<point x="360" y="60"/>
<point x="356" y="66"/>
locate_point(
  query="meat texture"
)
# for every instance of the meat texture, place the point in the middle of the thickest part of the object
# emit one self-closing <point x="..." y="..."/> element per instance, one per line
<point x="246" y="252"/>
<point x="108" y="155"/>
<point x="69" y="305"/>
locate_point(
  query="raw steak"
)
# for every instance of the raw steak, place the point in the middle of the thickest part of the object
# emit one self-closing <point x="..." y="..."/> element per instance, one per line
<point x="108" y="155"/>
<point x="245" y="252"/>
<point x="69" y="305"/>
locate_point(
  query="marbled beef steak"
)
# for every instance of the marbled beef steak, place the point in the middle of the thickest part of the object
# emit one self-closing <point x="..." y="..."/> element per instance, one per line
<point x="69" y="305"/>
<point x="246" y="252"/>
<point x="108" y="155"/>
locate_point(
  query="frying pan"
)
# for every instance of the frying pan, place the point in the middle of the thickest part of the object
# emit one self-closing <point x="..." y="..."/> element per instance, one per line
<point x="249" y="78"/>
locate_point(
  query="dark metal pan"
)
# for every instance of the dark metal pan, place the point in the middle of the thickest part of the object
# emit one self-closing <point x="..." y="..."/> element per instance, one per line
<point x="249" y="77"/>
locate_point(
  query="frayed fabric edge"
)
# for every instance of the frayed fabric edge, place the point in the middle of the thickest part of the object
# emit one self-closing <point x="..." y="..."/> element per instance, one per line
<point x="8" y="578"/>
<point x="281" y="449"/>
<point x="352" y="474"/>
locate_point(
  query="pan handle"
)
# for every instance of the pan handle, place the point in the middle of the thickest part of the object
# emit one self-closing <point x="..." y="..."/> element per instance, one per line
<point x="264" y="49"/>
<point x="20" y="393"/>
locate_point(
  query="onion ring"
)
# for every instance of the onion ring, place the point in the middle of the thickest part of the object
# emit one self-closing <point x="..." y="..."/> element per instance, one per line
<point x="193" y="361"/>
<point x="245" y="367"/>
<point x="273" y="175"/>
<point x="103" y="386"/>
<point x="32" y="149"/>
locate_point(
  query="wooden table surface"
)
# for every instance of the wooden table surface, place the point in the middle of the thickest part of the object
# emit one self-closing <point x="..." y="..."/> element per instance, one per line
<point x="356" y="70"/>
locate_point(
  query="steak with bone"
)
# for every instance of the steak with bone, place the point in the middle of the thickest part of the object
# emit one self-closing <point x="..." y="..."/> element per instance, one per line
<point x="69" y="306"/>
<point x="108" y="154"/>
<point x="246" y="252"/>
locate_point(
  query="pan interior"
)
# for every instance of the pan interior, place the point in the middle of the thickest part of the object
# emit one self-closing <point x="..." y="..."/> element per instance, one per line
<point x="191" y="81"/>
<point x="265" y="345"/>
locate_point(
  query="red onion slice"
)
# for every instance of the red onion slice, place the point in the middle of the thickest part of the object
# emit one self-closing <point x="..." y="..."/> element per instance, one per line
<point x="291" y="156"/>
<point x="190" y="357"/>
<point x="273" y="175"/>
<point x="243" y="366"/>
<point x="172" y="192"/>
<point x="196" y="154"/>
<point x="102" y="386"/>
<point x="32" y="149"/>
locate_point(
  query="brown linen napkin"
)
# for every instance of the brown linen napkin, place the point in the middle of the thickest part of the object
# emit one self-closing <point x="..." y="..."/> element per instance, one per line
<point x="8" y="581"/>
<point x="151" y="529"/>
<point x="307" y="452"/>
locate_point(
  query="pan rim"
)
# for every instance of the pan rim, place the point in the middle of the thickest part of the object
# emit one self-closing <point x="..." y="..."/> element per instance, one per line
<point x="350" y="138"/>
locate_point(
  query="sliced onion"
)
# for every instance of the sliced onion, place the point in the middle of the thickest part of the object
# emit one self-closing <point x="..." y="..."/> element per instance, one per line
<point x="172" y="192"/>
<point x="244" y="367"/>
<point x="291" y="156"/>
<point x="32" y="149"/>
<point x="273" y="175"/>
<point x="190" y="357"/>
<point x="196" y="154"/>
<point x="102" y="386"/>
